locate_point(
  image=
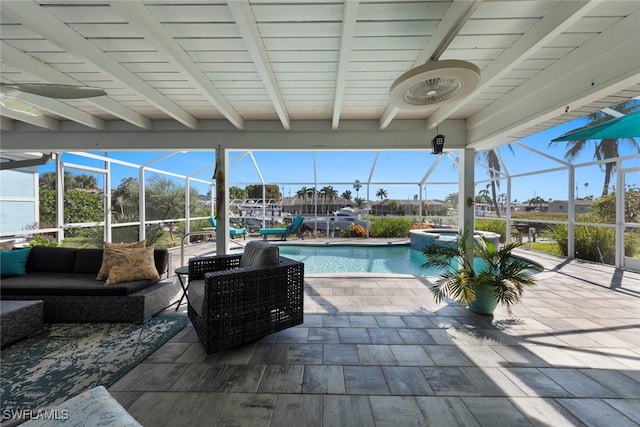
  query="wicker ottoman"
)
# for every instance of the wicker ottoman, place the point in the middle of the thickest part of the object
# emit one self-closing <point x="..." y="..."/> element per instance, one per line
<point x="19" y="319"/>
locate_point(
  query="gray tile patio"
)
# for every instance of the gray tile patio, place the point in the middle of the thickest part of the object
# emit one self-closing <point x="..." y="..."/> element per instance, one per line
<point x="377" y="351"/>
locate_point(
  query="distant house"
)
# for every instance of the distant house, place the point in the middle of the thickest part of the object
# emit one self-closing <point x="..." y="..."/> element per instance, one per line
<point x="581" y="206"/>
<point x="407" y="207"/>
<point x="298" y="205"/>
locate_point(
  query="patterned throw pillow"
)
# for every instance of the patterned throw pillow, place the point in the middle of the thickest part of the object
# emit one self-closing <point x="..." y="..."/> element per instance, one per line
<point x="107" y="254"/>
<point x="129" y="264"/>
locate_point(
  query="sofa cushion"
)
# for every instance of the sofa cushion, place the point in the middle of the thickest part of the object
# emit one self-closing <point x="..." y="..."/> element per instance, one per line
<point x="259" y="254"/>
<point x="14" y="262"/>
<point x="106" y="256"/>
<point x="129" y="264"/>
<point x="88" y="261"/>
<point x="51" y="259"/>
<point x="62" y="284"/>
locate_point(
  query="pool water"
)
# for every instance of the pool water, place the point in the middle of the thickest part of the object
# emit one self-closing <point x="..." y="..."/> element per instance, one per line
<point x="391" y="259"/>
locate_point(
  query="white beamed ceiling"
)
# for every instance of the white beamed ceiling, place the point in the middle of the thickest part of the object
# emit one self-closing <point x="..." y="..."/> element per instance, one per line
<point x="543" y="62"/>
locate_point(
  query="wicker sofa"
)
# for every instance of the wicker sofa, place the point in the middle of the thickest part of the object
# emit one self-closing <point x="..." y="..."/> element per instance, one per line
<point x="65" y="280"/>
<point x="236" y="299"/>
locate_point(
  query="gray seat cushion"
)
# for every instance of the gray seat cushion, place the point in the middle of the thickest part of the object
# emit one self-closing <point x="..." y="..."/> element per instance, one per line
<point x="260" y="254"/>
<point x="196" y="295"/>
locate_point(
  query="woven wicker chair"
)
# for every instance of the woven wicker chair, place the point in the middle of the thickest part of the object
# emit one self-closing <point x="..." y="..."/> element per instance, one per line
<point x="231" y="304"/>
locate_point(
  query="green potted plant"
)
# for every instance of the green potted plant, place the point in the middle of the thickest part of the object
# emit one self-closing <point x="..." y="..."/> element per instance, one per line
<point x="499" y="277"/>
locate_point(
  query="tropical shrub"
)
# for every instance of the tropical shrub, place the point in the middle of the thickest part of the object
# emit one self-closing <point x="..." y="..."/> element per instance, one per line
<point x="593" y="243"/>
<point x="494" y="226"/>
<point x="354" y="230"/>
<point x="390" y="227"/>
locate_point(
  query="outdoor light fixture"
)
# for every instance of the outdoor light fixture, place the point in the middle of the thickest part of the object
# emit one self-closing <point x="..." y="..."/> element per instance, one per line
<point x="437" y="144"/>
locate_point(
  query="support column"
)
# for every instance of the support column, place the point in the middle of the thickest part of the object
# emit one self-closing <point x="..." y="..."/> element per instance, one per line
<point x="571" y="213"/>
<point x="466" y="194"/>
<point x="621" y="193"/>
<point x="222" y="191"/>
<point x="60" y="198"/>
<point x="141" y="204"/>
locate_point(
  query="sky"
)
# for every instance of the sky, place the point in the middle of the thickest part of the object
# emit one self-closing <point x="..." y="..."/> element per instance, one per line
<point x="396" y="172"/>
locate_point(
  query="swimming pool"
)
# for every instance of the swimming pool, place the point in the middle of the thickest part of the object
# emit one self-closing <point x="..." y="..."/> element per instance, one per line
<point x="336" y="258"/>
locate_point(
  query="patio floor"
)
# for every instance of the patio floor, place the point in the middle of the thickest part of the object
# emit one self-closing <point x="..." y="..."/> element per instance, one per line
<point x="377" y="351"/>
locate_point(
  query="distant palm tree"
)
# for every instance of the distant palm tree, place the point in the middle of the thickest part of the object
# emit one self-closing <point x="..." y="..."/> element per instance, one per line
<point x="302" y="194"/>
<point x="605" y="148"/>
<point x="327" y="193"/>
<point x="359" y="201"/>
<point x="394" y="205"/>
<point x="493" y="163"/>
<point x="357" y="186"/>
<point x="346" y="195"/>
<point x="537" y="201"/>
<point x="381" y="193"/>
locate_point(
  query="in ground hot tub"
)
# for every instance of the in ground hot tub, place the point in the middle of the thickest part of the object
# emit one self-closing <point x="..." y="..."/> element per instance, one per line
<point x="421" y="238"/>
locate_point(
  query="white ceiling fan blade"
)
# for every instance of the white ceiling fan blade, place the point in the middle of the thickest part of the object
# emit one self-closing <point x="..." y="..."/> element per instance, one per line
<point x="19" y="106"/>
<point x="56" y="90"/>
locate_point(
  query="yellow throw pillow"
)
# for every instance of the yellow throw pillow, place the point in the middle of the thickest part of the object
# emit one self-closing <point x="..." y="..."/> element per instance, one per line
<point x="107" y="254"/>
<point x="129" y="264"/>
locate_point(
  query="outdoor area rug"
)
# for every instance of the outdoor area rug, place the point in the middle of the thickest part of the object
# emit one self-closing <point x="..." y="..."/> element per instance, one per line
<point x="69" y="358"/>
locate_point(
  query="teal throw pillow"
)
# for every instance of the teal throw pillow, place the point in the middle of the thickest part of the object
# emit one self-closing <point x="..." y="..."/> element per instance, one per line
<point x="14" y="263"/>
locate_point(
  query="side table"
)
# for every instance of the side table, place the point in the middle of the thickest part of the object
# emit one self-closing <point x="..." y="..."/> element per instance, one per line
<point x="183" y="277"/>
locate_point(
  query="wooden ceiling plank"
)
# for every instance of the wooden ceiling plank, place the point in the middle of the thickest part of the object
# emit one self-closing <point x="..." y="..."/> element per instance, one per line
<point x="62" y="35"/>
<point x="246" y="22"/>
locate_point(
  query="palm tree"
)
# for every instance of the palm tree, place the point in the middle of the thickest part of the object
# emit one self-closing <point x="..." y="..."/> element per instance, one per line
<point x="537" y="201"/>
<point x="359" y="201"/>
<point x="493" y="163"/>
<point x="381" y="193"/>
<point x="302" y="194"/>
<point x="452" y="199"/>
<point x="327" y="192"/>
<point x="394" y="205"/>
<point x="605" y="148"/>
<point x="346" y="195"/>
<point x="357" y="186"/>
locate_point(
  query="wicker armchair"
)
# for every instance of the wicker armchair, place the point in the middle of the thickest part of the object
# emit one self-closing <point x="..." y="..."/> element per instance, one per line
<point x="231" y="304"/>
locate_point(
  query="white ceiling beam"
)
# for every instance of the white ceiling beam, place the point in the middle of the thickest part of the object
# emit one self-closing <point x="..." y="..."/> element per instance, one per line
<point x="246" y="22"/>
<point x="346" y="41"/>
<point x="583" y="76"/>
<point x="38" y="19"/>
<point x="61" y="109"/>
<point x="138" y="15"/>
<point x="454" y="18"/>
<point x="40" y="121"/>
<point x="6" y="123"/>
<point x="167" y="135"/>
<point x="33" y="66"/>
<point x="563" y="15"/>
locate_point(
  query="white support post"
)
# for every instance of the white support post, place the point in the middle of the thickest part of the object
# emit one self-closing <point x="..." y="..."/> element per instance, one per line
<point x="187" y="202"/>
<point x="141" y="204"/>
<point x="620" y="215"/>
<point x="107" y="202"/>
<point x="508" y="212"/>
<point x="466" y="193"/>
<point x="60" y="198"/>
<point x="571" y="213"/>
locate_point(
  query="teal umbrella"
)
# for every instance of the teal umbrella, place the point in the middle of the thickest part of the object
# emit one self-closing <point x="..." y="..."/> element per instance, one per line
<point x="622" y="127"/>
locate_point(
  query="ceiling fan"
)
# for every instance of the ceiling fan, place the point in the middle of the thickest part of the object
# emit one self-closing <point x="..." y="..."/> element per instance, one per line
<point x="9" y="94"/>
<point x="433" y="83"/>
